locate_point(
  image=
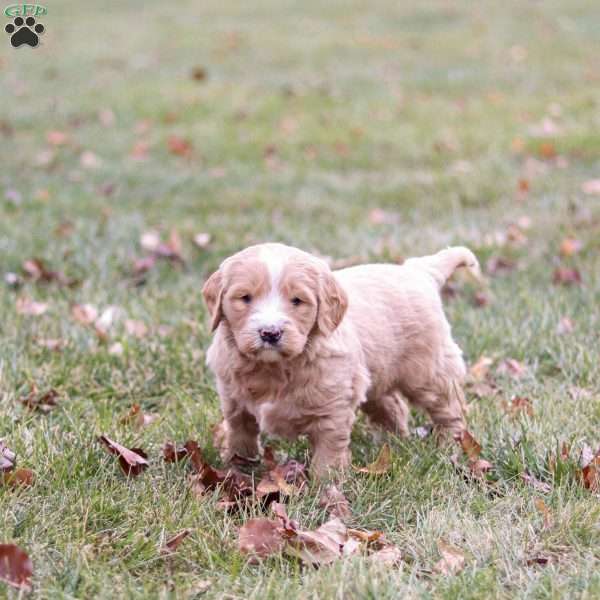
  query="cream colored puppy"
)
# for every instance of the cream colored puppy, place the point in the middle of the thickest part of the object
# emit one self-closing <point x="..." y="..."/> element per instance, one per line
<point x="298" y="348"/>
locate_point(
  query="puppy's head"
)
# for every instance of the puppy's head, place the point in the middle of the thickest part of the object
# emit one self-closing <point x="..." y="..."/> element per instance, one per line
<point x="273" y="298"/>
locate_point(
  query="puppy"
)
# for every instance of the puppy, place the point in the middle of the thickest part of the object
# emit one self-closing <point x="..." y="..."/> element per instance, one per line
<point x="298" y="348"/>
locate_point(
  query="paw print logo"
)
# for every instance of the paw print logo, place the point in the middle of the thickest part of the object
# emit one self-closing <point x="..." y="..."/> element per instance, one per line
<point x="24" y="31"/>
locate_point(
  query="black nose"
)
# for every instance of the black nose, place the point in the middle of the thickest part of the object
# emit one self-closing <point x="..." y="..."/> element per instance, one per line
<point x="271" y="335"/>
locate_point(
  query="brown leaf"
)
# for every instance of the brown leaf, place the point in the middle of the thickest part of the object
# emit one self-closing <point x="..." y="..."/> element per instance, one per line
<point x="173" y="453"/>
<point x="53" y="344"/>
<point x="7" y="458"/>
<point x="536" y="484"/>
<point x="547" y="150"/>
<point x="140" y="150"/>
<point x="452" y="561"/>
<point x="36" y="270"/>
<point x="132" y="461"/>
<point x="590" y="472"/>
<point x="479" y="369"/>
<point x="261" y="538"/>
<point x="332" y="499"/>
<point x="27" y="306"/>
<point x="136" y="329"/>
<point x="512" y="367"/>
<point x="500" y="265"/>
<point x="517" y="405"/>
<point x="545" y="511"/>
<point x="43" y="403"/>
<point x="382" y="463"/>
<point x="173" y="543"/>
<point x="57" y="138"/>
<point x="479" y="467"/>
<point x="89" y="160"/>
<point x="481" y="299"/>
<point x="321" y="546"/>
<point x="179" y="146"/>
<point x="199" y="73"/>
<point x="389" y="555"/>
<point x="18" y="478"/>
<point x="138" y="418"/>
<point x="471" y="447"/>
<point x="16" y="568"/>
<point x="570" y="246"/>
<point x="85" y="314"/>
<point x="566" y="276"/>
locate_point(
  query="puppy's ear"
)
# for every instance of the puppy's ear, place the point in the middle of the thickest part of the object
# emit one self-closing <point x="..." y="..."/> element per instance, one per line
<point x="333" y="302"/>
<point x="213" y="296"/>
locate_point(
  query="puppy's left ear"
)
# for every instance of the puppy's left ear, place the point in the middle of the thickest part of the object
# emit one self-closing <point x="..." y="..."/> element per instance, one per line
<point x="333" y="302"/>
<point x="213" y="296"/>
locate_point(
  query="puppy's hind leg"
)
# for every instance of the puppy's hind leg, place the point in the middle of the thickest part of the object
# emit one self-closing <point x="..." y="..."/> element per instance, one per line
<point x="388" y="412"/>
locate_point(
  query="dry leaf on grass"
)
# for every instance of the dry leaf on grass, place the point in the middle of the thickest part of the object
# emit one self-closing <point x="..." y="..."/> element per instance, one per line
<point x="511" y="367"/>
<point x="543" y="509"/>
<point x="480" y="369"/>
<point x="179" y="146"/>
<point x="261" y="538"/>
<point x="16" y="567"/>
<point x="31" y="308"/>
<point x="382" y="463"/>
<point x="591" y="187"/>
<point x="518" y="405"/>
<point x="173" y="543"/>
<point x="471" y="447"/>
<point x="570" y="246"/>
<point x="36" y="270"/>
<point x="536" y="484"/>
<point x="138" y="418"/>
<point x="7" y="458"/>
<point x="136" y="329"/>
<point x="132" y="460"/>
<point x="52" y="344"/>
<point x="202" y="240"/>
<point x="173" y="453"/>
<point x="452" y="559"/>
<point x="85" y="314"/>
<point x="500" y="265"/>
<point x="332" y="499"/>
<point x="43" y="403"/>
<point x="589" y="475"/>
<point x="566" y="276"/>
<point x="287" y="479"/>
<point x="18" y="478"/>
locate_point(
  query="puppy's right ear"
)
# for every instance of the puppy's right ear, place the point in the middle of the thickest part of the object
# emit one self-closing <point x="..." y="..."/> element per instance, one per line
<point x="213" y="296"/>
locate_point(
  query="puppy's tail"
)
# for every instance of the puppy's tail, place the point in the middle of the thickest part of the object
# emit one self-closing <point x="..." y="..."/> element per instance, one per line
<point x="444" y="263"/>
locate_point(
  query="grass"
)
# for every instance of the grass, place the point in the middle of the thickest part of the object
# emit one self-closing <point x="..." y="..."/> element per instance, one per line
<point x="312" y="116"/>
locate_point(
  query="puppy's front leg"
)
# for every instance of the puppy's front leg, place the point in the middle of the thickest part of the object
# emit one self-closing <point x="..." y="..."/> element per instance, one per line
<point x="330" y="443"/>
<point x="240" y="431"/>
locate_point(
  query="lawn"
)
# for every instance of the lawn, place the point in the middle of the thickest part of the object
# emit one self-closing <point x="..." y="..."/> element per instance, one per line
<point x="361" y="132"/>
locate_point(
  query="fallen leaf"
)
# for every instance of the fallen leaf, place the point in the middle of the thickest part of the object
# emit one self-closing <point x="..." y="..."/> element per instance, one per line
<point x="517" y="405"/>
<point x="500" y="265"/>
<point x="261" y="538"/>
<point x="179" y="146"/>
<point x="43" y="403"/>
<point x="479" y="467"/>
<point x="138" y="418"/>
<point x="537" y="560"/>
<point x="85" y="314"/>
<point x="547" y="150"/>
<point x="89" y="160"/>
<point x="536" y="484"/>
<point x="57" y="138"/>
<point x="452" y="559"/>
<point x="174" y="453"/>
<point x="481" y="299"/>
<point x="18" y="478"/>
<point x="566" y="276"/>
<point x="173" y="543"/>
<point x="116" y="349"/>
<point x="7" y="458"/>
<point x="332" y="499"/>
<point x="479" y="369"/>
<point x="591" y="187"/>
<point x="140" y="150"/>
<point x="381" y="465"/>
<point x="322" y="546"/>
<point x="202" y="240"/>
<point x="565" y="326"/>
<point x="132" y="461"/>
<point x="470" y="446"/>
<point x="199" y="73"/>
<point x="53" y="344"/>
<point x="16" y="567"/>
<point x="36" y="270"/>
<point x="13" y="280"/>
<point x="545" y="512"/>
<point x="136" y="329"/>
<point x="590" y="472"/>
<point x="389" y="555"/>
<point x="31" y="308"/>
<point x="511" y="367"/>
<point x="570" y="246"/>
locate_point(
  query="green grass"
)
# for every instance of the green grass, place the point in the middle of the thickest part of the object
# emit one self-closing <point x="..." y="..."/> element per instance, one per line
<point x="429" y="112"/>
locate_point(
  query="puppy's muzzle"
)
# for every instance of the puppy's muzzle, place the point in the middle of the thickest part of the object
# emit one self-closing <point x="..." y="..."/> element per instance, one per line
<point x="270" y="335"/>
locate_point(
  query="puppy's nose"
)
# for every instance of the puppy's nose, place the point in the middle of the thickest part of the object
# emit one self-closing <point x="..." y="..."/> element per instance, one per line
<point x="271" y="335"/>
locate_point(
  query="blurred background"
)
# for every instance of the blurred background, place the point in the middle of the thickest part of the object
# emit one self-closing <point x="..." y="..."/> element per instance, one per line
<point x="142" y="142"/>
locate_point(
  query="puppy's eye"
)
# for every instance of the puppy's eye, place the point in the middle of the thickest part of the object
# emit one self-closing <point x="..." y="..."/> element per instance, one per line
<point x="246" y="298"/>
<point x="296" y="301"/>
